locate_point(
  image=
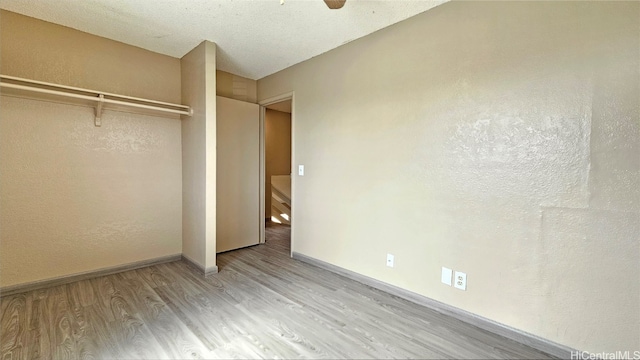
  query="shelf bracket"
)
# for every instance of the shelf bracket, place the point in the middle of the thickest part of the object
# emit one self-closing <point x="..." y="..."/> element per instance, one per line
<point x="98" y="120"/>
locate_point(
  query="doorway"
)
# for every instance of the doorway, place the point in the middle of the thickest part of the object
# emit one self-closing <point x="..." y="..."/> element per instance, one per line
<point x="277" y="182"/>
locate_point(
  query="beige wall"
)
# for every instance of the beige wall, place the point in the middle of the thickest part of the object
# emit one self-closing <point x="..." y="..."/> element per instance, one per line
<point x="199" y="156"/>
<point x="236" y="87"/>
<point x="499" y="139"/>
<point x="75" y="197"/>
<point x="39" y="50"/>
<point x="277" y="128"/>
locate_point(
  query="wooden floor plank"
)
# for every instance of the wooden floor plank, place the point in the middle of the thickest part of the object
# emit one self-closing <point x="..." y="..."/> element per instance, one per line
<point x="173" y="336"/>
<point x="14" y="327"/>
<point x="262" y="304"/>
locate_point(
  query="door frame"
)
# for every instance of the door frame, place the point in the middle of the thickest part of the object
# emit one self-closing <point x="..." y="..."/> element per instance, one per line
<point x="263" y="104"/>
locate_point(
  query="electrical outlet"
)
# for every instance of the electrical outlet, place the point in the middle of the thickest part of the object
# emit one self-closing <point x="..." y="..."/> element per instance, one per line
<point x="460" y="280"/>
<point x="446" y="276"/>
<point x="390" y="260"/>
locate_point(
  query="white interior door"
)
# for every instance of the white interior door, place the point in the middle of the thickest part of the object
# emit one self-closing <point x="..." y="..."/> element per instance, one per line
<point x="238" y="174"/>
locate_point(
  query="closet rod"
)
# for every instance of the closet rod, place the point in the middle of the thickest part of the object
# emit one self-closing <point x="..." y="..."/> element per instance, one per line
<point x="97" y="96"/>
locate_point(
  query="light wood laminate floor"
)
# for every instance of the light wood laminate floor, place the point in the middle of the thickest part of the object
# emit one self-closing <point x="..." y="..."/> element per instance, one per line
<point x="262" y="304"/>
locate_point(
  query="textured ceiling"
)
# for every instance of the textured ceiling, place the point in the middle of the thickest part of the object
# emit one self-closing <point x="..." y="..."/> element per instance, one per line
<point x="255" y="38"/>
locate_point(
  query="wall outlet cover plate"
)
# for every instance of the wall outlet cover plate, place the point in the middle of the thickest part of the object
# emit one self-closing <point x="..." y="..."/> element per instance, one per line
<point x="446" y="276"/>
<point x="390" y="260"/>
<point x="460" y="280"/>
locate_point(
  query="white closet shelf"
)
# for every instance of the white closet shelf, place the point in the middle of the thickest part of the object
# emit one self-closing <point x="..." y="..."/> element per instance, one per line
<point x="11" y="85"/>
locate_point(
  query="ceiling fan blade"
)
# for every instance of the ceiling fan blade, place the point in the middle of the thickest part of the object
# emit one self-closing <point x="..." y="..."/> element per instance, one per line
<point x="335" y="4"/>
